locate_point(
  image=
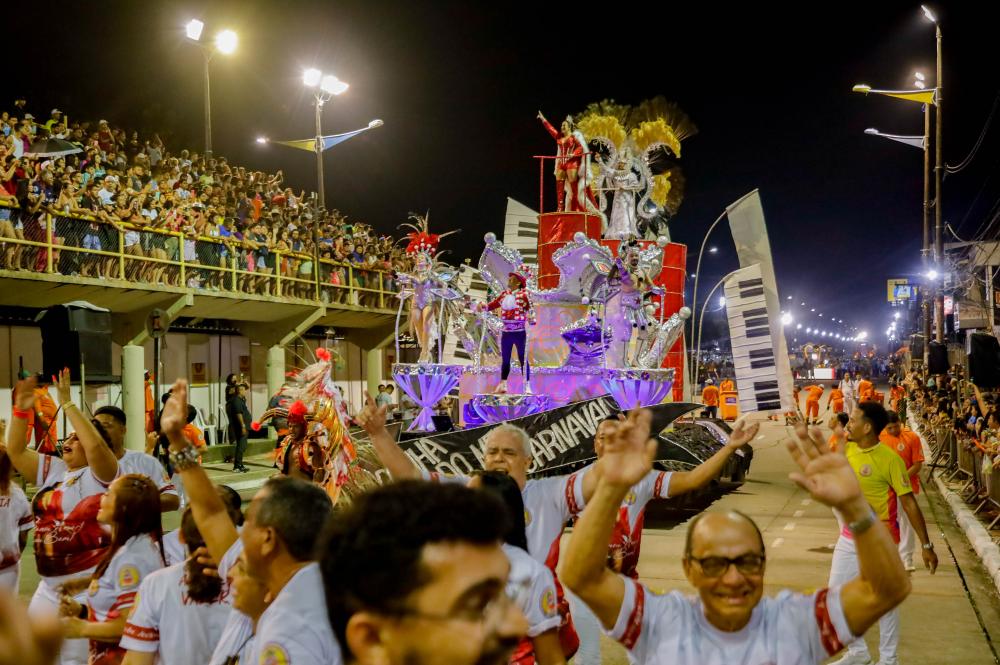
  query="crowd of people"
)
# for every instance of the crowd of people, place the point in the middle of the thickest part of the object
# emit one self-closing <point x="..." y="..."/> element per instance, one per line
<point x="122" y="192"/>
<point x="427" y="568"/>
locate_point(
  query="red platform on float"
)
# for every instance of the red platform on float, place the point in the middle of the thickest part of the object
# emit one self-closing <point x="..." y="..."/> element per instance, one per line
<point x="556" y="229"/>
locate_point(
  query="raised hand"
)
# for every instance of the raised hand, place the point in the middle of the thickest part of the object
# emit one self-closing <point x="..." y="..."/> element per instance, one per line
<point x="372" y="417"/>
<point x="63" y="386"/>
<point x="26" y="641"/>
<point x="24" y="394"/>
<point x="629" y="451"/>
<point x="742" y="434"/>
<point x="827" y="476"/>
<point x="173" y="417"/>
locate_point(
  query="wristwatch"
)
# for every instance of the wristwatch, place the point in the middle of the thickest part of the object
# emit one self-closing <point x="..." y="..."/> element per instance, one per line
<point x="928" y="546"/>
<point x="184" y="459"/>
<point x="860" y="526"/>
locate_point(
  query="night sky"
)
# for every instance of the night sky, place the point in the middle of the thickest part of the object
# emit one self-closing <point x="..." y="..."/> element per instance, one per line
<point x="458" y="86"/>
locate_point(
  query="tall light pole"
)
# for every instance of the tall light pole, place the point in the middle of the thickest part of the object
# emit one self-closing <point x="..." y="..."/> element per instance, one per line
<point x="938" y="174"/>
<point x="225" y="43"/>
<point x="324" y="87"/>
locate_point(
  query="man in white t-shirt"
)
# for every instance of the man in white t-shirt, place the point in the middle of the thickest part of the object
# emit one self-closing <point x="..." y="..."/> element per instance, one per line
<point x="415" y="575"/>
<point x="724" y="560"/>
<point x="113" y="421"/>
<point x="278" y="540"/>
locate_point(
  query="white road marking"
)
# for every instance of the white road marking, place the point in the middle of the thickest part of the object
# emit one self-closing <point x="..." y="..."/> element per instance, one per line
<point x="798" y="513"/>
<point x="806" y="502"/>
<point x="790" y="526"/>
<point x="777" y="543"/>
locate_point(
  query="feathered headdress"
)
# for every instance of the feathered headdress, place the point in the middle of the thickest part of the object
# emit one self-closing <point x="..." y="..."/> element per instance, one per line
<point x="420" y="238"/>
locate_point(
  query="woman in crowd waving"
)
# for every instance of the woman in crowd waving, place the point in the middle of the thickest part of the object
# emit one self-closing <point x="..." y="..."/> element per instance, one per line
<point x="69" y="541"/>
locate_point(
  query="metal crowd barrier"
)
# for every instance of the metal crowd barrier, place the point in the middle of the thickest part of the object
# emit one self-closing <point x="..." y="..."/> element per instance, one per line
<point x="75" y="245"/>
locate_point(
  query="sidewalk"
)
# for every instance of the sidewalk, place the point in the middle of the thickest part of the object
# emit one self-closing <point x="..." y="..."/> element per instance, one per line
<point x="939" y="621"/>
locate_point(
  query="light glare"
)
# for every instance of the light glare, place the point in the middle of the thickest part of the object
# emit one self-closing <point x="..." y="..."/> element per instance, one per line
<point x="225" y="42"/>
<point x="311" y="77"/>
<point x="193" y="29"/>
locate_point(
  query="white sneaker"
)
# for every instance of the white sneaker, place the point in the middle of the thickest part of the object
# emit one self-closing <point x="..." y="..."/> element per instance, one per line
<point x="852" y="659"/>
<point x="528" y="390"/>
<point x="908" y="564"/>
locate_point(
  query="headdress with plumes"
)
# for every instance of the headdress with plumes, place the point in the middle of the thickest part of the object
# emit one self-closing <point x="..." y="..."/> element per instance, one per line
<point x="420" y="238"/>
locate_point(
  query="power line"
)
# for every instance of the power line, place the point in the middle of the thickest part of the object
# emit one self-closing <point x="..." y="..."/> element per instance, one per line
<point x="982" y="135"/>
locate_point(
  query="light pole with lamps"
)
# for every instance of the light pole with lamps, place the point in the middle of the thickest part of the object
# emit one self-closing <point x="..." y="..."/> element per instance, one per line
<point x="324" y="88"/>
<point x="225" y="43"/>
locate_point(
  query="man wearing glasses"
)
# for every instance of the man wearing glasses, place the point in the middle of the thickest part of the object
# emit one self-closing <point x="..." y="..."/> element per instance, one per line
<point x="724" y="559"/>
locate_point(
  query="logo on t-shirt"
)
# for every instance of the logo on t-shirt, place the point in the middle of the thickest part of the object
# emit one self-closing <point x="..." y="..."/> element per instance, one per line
<point x="548" y="603"/>
<point x="128" y="577"/>
<point x="527" y="517"/>
<point x="274" y="654"/>
<point x="901" y="447"/>
<point x="865" y="470"/>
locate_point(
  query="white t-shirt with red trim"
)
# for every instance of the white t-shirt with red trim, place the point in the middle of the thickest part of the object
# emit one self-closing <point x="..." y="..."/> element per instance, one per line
<point x="15" y="518"/>
<point x="623" y="550"/>
<point x="143" y="464"/>
<point x="534" y="588"/>
<point x="113" y="594"/>
<point x="167" y="622"/>
<point x="69" y="542"/>
<point x="237" y="634"/>
<point x="787" y="629"/>
<point x="548" y="504"/>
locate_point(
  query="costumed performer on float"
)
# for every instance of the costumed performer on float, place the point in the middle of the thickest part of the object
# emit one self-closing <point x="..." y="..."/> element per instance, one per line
<point x="626" y="314"/>
<point x="622" y="180"/>
<point x="572" y="168"/>
<point x="421" y="282"/>
<point x="516" y="312"/>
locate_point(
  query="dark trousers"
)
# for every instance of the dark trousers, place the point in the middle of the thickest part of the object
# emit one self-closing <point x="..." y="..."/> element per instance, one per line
<point x="508" y="340"/>
<point x="712" y="411"/>
<point x="241" y="447"/>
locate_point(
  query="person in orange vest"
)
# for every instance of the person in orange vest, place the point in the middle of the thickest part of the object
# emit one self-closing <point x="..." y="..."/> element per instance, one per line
<point x="727" y="385"/>
<point x="838" y="427"/>
<point x="812" y="403"/>
<point x="710" y="398"/>
<point x="836" y="399"/>
<point x="150" y="405"/>
<point x="896" y="393"/>
<point x="866" y="391"/>
<point x="905" y="443"/>
<point x="42" y="421"/>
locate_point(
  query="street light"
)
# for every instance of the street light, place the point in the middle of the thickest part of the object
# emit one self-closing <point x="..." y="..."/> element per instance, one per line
<point x="786" y="319"/>
<point x="225" y="43"/>
<point x="928" y="14"/>
<point x="324" y="88"/>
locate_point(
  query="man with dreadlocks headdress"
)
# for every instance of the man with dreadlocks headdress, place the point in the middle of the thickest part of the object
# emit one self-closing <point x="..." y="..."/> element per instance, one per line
<point x="419" y="285"/>
<point x="317" y="448"/>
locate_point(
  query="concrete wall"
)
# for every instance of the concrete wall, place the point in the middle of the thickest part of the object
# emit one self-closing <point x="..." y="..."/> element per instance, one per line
<point x="216" y="356"/>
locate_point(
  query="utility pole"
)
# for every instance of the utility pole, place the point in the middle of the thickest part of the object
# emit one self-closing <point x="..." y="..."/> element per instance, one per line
<point x="938" y="173"/>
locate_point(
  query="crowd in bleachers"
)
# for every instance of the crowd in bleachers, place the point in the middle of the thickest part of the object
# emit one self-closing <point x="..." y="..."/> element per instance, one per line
<point x="125" y="194"/>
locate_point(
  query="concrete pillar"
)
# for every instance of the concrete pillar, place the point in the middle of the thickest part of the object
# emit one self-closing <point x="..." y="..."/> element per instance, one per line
<point x="134" y="395"/>
<point x="375" y="369"/>
<point x="275" y="369"/>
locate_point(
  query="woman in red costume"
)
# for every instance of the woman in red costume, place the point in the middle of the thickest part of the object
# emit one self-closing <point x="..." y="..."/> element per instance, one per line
<point x="569" y="158"/>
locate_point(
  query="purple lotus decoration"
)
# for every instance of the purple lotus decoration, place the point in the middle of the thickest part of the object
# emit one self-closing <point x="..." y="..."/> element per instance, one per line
<point x="470" y="418"/>
<point x="638" y="386"/>
<point x="500" y="408"/>
<point x="425" y="384"/>
<point x="585" y="342"/>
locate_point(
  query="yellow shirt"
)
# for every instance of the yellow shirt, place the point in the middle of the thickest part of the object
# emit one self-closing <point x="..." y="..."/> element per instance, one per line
<point x="882" y="475"/>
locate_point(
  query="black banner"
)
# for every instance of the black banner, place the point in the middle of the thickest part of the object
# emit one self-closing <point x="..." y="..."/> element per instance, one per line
<point x="559" y="437"/>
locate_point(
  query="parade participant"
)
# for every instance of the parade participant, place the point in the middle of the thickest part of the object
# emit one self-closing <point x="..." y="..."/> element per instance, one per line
<point x="69" y="541"/>
<point x="174" y="550"/>
<point x="628" y="282"/>
<point x="130" y="508"/>
<point x="113" y="421"/>
<point x="906" y="443"/>
<point x="411" y="580"/>
<point x="838" y="432"/>
<point x="179" y="611"/>
<point x="16" y="521"/>
<point x="710" y="398"/>
<point x="815" y="392"/>
<point x="239" y="423"/>
<point x="42" y="421"/>
<point x="866" y="390"/>
<point x="277" y="542"/>
<point x="727" y="385"/>
<point x="849" y="386"/>
<point x="516" y="312"/>
<point x="724" y="560"/>
<point x="300" y="454"/>
<point x="882" y="477"/>
<point x="150" y="403"/>
<point x="569" y="163"/>
<point x="623" y="181"/>
<point x="530" y="584"/>
<point x="836" y="399"/>
<point x="249" y="599"/>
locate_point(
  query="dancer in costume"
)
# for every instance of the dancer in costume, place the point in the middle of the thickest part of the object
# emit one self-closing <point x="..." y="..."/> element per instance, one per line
<point x="516" y="312"/>
<point x="572" y="168"/>
<point x="628" y="318"/>
<point x="623" y="181"/>
<point x="419" y="285"/>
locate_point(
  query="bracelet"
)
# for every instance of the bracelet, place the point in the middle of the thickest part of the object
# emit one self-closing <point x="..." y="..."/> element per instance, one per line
<point x="863" y="524"/>
<point x="66" y="405"/>
<point x="23" y="415"/>
<point x="186" y="458"/>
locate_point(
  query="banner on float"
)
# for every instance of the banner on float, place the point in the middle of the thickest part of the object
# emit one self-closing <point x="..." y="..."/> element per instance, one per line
<point x="559" y="437"/>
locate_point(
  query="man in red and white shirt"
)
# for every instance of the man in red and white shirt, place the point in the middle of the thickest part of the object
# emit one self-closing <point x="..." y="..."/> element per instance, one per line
<point x="906" y="443"/>
<point x="724" y="559"/>
<point x="516" y="313"/>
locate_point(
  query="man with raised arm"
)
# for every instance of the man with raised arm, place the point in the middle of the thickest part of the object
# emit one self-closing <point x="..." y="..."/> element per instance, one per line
<point x="724" y="560"/>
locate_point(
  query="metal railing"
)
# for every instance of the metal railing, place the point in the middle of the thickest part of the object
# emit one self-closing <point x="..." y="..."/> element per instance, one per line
<point x="140" y="253"/>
